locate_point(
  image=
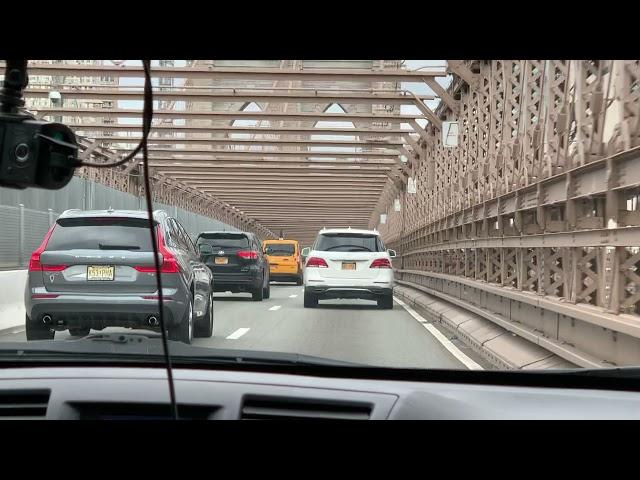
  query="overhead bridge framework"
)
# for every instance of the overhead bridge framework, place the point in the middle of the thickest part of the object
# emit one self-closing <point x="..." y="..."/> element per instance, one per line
<point x="531" y="220"/>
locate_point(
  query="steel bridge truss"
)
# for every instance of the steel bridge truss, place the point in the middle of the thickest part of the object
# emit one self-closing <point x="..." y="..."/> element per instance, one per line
<point x="533" y="220"/>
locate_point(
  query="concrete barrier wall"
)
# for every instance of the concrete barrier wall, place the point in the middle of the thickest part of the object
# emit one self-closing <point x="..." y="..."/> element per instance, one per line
<point x="12" y="285"/>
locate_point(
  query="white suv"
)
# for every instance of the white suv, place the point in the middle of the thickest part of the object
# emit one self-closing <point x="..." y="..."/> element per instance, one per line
<point x="348" y="263"/>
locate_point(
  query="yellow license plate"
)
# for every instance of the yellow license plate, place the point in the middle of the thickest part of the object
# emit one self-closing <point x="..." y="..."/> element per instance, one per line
<point x="348" y="265"/>
<point x="100" y="272"/>
<point x="222" y="260"/>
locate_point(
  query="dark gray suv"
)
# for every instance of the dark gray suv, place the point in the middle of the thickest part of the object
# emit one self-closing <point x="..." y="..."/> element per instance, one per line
<point x="95" y="269"/>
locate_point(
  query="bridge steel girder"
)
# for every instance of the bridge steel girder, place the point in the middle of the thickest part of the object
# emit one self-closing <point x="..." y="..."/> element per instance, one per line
<point x="235" y="95"/>
<point x="252" y="142"/>
<point x="214" y="73"/>
<point x="363" y="132"/>
<point x="229" y="115"/>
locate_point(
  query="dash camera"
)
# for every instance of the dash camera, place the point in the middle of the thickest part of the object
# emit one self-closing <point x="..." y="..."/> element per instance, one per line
<point x="33" y="153"/>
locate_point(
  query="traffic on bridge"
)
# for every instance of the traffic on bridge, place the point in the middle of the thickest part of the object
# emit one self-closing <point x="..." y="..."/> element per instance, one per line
<point x="394" y="214"/>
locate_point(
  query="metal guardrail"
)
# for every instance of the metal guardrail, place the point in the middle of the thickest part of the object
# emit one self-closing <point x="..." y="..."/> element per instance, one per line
<point x="22" y="232"/>
<point x="581" y="334"/>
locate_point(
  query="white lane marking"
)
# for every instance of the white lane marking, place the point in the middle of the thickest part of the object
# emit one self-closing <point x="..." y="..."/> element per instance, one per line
<point x="446" y="343"/>
<point x="238" y="333"/>
<point x="275" y="307"/>
<point x="293" y="296"/>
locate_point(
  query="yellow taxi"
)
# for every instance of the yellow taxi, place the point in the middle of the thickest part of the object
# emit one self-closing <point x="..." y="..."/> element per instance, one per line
<point x="284" y="259"/>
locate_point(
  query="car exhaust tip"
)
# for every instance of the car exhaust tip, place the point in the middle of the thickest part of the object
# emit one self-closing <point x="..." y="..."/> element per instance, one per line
<point x="153" y="321"/>
<point x="46" y="319"/>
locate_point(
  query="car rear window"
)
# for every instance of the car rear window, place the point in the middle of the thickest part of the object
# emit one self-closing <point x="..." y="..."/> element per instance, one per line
<point x="224" y="240"/>
<point x="97" y="233"/>
<point x="280" y="249"/>
<point x="348" y="242"/>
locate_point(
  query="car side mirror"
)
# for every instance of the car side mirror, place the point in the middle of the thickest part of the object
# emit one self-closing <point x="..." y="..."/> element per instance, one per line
<point x="205" y="249"/>
<point x="392" y="253"/>
<point x="305" y="251"/>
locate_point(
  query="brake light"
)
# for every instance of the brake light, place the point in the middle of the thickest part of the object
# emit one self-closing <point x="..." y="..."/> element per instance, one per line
<point x="381" y="263"/>
<point x="248" y="254"/>
<point x="34" y="262"/>
<point x="169" y="262"/>
<point x="317" y="262"/>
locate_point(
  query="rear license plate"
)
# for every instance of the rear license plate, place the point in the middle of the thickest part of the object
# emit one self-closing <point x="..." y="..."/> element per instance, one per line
<point x="348" y="265"/>
<point x="221" y="260"/>
<point x="100" y="272"/>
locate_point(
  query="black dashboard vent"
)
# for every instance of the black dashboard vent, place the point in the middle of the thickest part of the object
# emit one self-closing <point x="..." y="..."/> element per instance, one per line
<point x="286" y="408"/>
<point x="23" y="404"/>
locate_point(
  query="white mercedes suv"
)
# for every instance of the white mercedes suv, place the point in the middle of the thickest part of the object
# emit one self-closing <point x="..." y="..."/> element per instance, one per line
<point x="348" y="263"/>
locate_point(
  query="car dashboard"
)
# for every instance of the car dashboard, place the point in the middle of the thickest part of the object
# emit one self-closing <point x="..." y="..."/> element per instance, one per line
<point x="105" y="393"/>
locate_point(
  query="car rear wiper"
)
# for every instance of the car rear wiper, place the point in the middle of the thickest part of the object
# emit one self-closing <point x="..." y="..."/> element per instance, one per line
<point x="118" y="247"/>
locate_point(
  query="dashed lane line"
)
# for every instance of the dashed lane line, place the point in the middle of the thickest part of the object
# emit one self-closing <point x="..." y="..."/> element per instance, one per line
<point x="238" y="333"/>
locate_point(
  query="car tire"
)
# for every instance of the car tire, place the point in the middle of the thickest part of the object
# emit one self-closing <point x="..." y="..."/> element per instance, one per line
<point x="204" y="328"/>
<point x="310" y="300"/>
<point x="79" y="332"/>
<point x="299" y="280"/>
<point x="258" y="294"/>
<point x="267" y="289"/>
<point x="385" y="302"/>
<point x="183" y="332"/>
<point x="37" y="331"/>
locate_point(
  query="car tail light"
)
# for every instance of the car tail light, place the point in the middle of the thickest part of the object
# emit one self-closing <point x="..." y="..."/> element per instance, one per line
<point x="381" y="263"/>
<point x="169" y="262"/>
<point x="248" y="254"/>
<point x="34" y="263"/>
<point x="53" y="268"/>
<point x="317" y="262"/>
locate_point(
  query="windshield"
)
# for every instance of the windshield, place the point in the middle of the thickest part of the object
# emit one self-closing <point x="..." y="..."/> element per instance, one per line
<point x="101" y="234"/>
<point x="280" y="249"/>
<point x="415" y="214"/>
<point x="224" y="240"/>
<point x="348" y="242"/>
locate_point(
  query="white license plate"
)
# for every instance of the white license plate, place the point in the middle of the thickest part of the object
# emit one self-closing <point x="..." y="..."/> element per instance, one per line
<point x="221" y="260"/>
<point x="348" y="265"/>
<point x="100" y="272"/>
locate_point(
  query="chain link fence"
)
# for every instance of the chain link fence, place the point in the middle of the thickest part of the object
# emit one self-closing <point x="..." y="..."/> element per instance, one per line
<point x="27" y="215"/>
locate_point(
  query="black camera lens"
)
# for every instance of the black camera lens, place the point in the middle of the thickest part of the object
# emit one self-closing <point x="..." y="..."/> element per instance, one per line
<point x="22" y="153"/>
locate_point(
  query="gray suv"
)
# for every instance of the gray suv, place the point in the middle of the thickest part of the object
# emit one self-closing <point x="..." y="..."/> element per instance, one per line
<point x="95" y="269"/>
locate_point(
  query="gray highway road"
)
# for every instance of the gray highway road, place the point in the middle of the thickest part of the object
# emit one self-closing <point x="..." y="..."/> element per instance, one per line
<point x="350" y="330"/>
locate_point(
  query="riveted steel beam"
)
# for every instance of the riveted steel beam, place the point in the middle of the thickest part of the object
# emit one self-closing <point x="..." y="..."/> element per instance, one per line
<point x="231" y="96"/>
<point x="228" y="115"/>
<point x="332" y="75"/>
